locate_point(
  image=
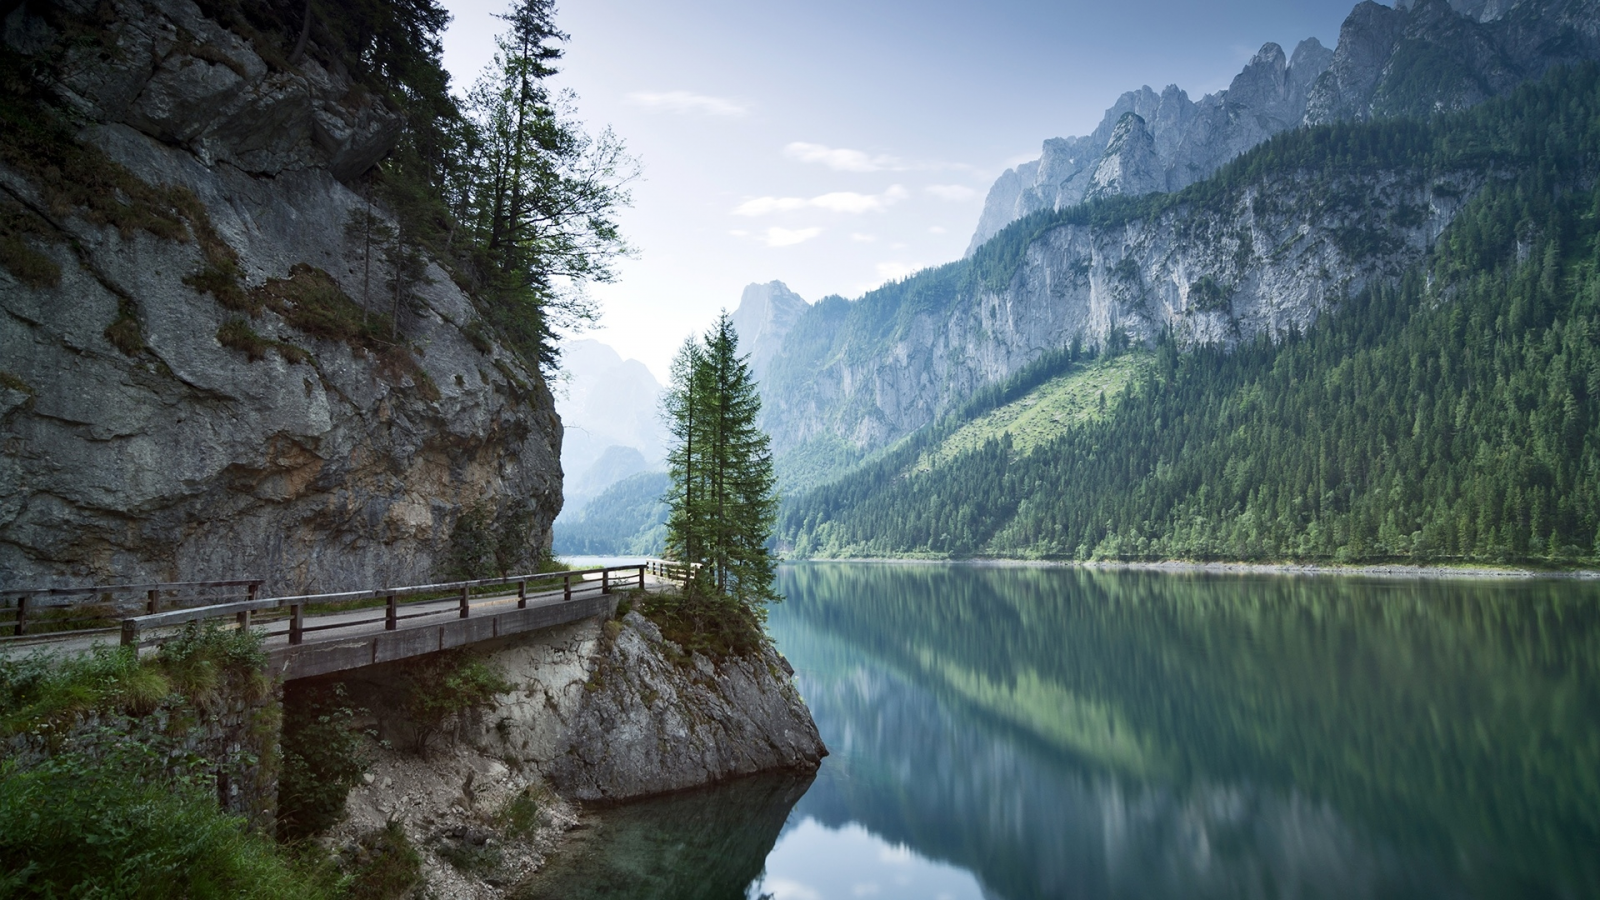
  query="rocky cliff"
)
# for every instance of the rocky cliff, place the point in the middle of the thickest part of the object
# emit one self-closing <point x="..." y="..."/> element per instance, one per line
<point x="1183" y="141"/>
<point x="764" y="316"/>
<point x="598" y="712"/>
<point x="203" y="376"/>
<point x="1266" y="259"/>
<point x="1416" y="58"/>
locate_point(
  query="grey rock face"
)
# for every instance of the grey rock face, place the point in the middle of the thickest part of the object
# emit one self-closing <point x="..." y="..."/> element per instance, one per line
<point x="187" y="460"/>
<point x="1274" y="257"/>
<point x="1129" y="166"/>
<point x="183" y="79"/>
<point x="766" y="313"/>
<point x="1429" y="55"/>
<point x="1189" y="140"/>
<point x="619" y="712"/>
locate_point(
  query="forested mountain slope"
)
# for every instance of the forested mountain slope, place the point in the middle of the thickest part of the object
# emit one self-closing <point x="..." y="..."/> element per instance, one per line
<point x="1449" y="413"/>
<point x="1268" y="244"/>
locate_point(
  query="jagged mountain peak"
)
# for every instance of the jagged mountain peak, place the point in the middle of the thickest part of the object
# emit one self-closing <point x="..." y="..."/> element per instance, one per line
<point x="764" y="316"/>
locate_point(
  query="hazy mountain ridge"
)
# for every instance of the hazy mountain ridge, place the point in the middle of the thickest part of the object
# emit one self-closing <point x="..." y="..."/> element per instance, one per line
<point x="1422" y="57"/>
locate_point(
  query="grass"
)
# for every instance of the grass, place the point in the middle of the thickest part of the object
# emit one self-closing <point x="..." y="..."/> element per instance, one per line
<point x="197" y="664"/>
<point x="76" y="827"/>
<point x="384" y="865"/>
<point x="119" y="808"/>
<point x="1045" y="412"/>
<point x="237" y="334"/>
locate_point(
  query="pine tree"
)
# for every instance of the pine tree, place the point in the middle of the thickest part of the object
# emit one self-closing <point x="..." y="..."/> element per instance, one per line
<point x="722" y="502"/>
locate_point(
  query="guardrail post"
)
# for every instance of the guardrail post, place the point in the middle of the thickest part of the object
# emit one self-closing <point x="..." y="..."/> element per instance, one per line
<point x="391" y="616"/>
<point x="296" y="623"/>
<point x="22" y="616"/>
<point x="566" y="588"/>
<point x="130" y="632"/>
<point x="244" y="617"/>
<point x="605" y="581"/>
<point x="522" y="594"/>
<point x="641" y="578"/>
<point x="465" y="608"/>
<point x="152" y="601"/>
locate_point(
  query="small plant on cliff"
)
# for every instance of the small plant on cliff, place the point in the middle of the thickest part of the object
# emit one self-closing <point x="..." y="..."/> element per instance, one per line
<point x="323" y="758"/>
<point x="443" y="688"/>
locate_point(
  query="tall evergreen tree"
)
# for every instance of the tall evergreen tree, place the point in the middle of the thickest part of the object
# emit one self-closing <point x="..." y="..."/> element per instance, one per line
<point x="722" y="502"/>
<point x="540" y="193"/>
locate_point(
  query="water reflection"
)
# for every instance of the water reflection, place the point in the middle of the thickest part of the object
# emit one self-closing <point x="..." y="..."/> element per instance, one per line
<point x="698" y="845"/>
<point x="1017" y="733"/>
<point x="1064" y="733"/>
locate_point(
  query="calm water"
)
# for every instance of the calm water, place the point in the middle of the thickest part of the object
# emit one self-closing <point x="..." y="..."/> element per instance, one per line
<point x="1025" y="733"/>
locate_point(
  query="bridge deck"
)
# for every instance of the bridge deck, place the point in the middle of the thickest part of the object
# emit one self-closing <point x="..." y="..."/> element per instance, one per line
<point x="352" y="638"/>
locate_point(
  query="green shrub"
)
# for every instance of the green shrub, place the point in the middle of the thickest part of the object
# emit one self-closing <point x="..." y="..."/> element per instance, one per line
<point x="75" y="826"/>
<point x="441" y="688"/>
<point x="385" y="865"/>
<point x="323" y="758"/>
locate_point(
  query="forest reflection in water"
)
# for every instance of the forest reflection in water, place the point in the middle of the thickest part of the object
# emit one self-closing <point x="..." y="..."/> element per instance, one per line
<point x="1064" y="733"/>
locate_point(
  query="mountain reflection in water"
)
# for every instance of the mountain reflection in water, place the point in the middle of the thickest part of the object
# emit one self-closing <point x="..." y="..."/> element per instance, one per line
<point x="1068" y="733"/>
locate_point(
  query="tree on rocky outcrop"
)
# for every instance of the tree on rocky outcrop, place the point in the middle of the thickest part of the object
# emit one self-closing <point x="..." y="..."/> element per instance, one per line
<point x="722" y="502"/>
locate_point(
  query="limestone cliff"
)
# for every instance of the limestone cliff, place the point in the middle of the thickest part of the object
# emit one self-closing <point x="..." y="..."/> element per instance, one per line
<point x="202" y="375"/>
<point x="1272" y="256"/>
<point x="1413" y="59"/>
<point x="1187" y="140"/>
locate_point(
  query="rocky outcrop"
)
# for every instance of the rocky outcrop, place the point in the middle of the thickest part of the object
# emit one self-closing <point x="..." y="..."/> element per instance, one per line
<point x="1130" y="166"/>
<point x="612" y="710"/>
<point x="152" y="431"/>
<point x="626" y="713"/>
<point x="765" y="314"/>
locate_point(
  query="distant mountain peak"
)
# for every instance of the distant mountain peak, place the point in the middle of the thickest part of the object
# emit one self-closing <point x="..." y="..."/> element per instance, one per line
<point x="766" y="313"/>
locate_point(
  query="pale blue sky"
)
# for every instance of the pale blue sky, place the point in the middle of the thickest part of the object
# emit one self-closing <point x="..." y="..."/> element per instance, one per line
<point x="833" y="145"/>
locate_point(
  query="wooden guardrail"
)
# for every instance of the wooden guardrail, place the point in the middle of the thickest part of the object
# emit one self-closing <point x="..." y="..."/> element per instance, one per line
<point x="400" y="604"/>
<point x="100" y="608"/>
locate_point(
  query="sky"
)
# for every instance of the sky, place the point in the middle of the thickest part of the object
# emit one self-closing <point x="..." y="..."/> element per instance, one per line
<point x="836" y="145"/>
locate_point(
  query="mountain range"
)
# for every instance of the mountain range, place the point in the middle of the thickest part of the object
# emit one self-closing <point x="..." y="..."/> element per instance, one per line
<point x="1258" y="216"/>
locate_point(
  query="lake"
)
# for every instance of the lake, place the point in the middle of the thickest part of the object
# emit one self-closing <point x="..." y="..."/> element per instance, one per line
<point x="1012" y="733"/>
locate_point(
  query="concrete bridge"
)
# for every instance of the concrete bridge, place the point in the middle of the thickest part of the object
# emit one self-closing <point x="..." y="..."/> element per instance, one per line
<point x="318" y="634"/>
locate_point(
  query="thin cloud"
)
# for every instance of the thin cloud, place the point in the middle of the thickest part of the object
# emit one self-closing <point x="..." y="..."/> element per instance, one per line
<point x="848" y="202"/>
<point x="686" y="103"/>
<point x="894" y="271"/>
<point x="955" y="193"/>
<point x="788" y="237"/>
<point x="861" y="238"/>
<point x="841" y="159"/>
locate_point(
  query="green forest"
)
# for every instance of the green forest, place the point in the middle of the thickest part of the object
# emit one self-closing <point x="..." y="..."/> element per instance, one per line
<point x="1451" y="415"/>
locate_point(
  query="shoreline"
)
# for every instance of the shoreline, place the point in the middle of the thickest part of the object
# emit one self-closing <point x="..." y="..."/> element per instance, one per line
<point x="1376" y="570"/>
